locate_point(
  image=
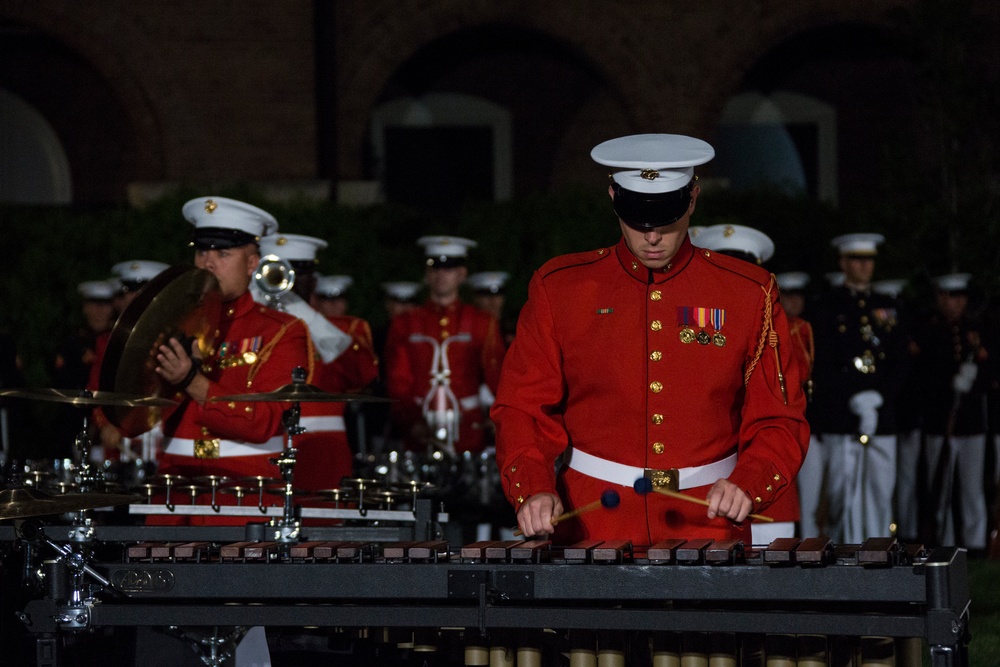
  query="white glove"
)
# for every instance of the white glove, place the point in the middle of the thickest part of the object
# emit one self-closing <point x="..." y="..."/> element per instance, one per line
<point x="865" y="405"/>
<point x="966" y="375"/>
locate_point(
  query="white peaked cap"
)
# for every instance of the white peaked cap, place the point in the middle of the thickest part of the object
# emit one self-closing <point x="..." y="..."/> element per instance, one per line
<point x="953" y="282"/>
<point x="244" y="222"/>
<point x="890" y="287"/>
<point x="138" y="270"/>
<point x="737" y="237"/>
<point x="98" y="290"/>
<point x="653" y="163"/>
<point x="792" y="280"/>
<point x="402" y="290"/>
<point x="331" y="287"/>
<point x="858" y="244"/>
<point x="293" y="247"/>
<point x="488" y="281"/>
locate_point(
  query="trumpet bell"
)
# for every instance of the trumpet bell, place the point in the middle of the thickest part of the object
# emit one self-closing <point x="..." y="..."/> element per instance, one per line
<point x="274" y="276"/>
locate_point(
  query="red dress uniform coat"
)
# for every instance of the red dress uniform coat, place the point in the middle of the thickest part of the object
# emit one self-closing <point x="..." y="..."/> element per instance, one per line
<point x="474" y="358"/>
<point x="599" y="363"/>
<point x="324" y="454"/>
<point x="255" y="351"/>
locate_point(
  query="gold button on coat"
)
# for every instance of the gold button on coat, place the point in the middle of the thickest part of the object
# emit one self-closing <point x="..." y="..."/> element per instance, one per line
<point x="657" y="447"/>
<point x="657" y="418"/>
<point x="656" y="325"/>
<point x="655" y="355"/>
<point x="655" y="295"/>
<point x="655" y="386"/>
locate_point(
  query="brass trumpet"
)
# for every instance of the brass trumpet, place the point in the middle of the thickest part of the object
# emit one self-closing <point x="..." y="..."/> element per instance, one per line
<point x="274" y="277"/>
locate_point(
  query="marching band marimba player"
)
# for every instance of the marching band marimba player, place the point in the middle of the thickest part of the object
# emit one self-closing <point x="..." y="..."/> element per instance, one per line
<point x="255" y="351"/>
<point x="651" y="358"/>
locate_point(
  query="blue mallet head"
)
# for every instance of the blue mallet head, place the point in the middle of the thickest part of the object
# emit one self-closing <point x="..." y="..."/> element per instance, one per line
<point x="610" y="499"/>
<point x="643" y="486"/>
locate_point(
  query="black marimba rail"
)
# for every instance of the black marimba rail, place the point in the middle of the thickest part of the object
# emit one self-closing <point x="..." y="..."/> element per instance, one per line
<point x="925" y="596"/>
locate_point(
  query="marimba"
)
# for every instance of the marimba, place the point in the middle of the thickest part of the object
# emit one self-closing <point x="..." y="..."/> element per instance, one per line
<point x="811" y="587"/>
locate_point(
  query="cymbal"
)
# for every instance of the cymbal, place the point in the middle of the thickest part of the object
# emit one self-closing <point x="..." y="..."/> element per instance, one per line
<point x="84" y="397"/>
<point x="23" y="503"/>
<point x="301" y="393"/>
<point x="181" y="302"/>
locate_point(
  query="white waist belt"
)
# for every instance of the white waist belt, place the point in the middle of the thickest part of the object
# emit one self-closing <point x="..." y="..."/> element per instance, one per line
<point x="618" y="473"/>
<point x="185" y="447"/>
<point x="317" y="424"/>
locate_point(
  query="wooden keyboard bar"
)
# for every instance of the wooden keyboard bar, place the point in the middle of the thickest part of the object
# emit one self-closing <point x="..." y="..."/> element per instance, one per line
<point x="781" y="551"/>
<point x="664" y="552"/>
<point x="693" y="551"/>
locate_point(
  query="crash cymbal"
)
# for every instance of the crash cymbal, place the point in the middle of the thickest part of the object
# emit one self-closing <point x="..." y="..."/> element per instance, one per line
<point x="23" y="503"/>
<point x="301" y="393"/>
<point x="181" y="302"/>
<point x="84" y="397"/>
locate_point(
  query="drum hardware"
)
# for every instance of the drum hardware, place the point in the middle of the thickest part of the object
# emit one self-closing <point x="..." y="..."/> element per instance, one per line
<point x="336" y="496"/>
<point x="216" y="645"/>
<point x="359" y="484"/>
<point x="89" y="477"/>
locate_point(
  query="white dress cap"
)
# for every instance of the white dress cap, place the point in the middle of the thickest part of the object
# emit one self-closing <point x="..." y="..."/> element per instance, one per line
<point x="138" y="270"/>
<point x="402" y="290"/>
<point x="292" y="247"/>
<point x="953" y="282"/>
<point x="792" y="280"/>
<point x="331" y="287"/>
<point x="740" y="238"/>
<point x="244" y="222"/>
<point x="653" y="163"/>
<point x="445" y="250"/>
<point x="858" y="244"/>
<point x="492" y="282"/>
<point x="835" y="278"/>
<point x="97" y="290"/>
<point x="892" y="287"/>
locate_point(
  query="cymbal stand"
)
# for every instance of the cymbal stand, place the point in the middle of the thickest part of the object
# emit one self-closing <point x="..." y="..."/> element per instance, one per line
<point x="286" y="529"/>
<point x="89" y="478"/>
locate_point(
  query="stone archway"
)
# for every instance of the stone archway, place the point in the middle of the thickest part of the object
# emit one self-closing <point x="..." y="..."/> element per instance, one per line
<point x="112" y="139"/>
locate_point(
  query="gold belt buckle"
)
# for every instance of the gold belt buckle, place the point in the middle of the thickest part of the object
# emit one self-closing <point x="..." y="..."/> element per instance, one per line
<point x="207" y="449"/>
<point x="663" y="479"/>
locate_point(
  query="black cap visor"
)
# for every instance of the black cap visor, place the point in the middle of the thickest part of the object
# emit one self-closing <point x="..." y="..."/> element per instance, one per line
<point x="644" y="211"/>
<point x="219" y="238"/>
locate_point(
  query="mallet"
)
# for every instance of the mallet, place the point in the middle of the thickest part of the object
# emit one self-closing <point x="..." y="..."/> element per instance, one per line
<point x="643" y="486"/>
<point x="609" y="499"/>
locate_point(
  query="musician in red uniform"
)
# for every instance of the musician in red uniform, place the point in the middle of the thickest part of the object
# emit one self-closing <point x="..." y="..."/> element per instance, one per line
<point x="438" y="355"/>
<point x="255" y="351"/>
<point x="651" y="358"/>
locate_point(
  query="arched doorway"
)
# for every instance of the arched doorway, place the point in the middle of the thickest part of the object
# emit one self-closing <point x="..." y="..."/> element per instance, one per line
<point x="33" y="165"/>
